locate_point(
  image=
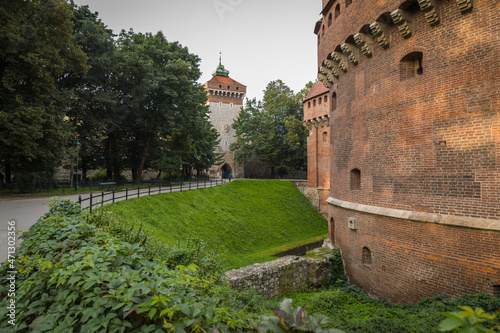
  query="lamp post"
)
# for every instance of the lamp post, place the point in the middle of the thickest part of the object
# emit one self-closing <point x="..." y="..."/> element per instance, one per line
<point x="77" y="144"/>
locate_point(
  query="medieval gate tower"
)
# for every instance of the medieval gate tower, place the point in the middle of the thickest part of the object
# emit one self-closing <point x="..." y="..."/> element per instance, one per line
<point x="225" y="99"/>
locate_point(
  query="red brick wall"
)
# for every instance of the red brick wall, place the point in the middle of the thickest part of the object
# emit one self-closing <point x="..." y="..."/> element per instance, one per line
<point x="411" y="260"/>
<point x="318" y="144"/>
<point x="427" y="143"/>
<point x="234" y="94"/>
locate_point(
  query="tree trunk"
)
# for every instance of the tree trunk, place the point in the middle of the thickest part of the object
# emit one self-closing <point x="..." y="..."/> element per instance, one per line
<point x="8" y="173"/>
<point x="143" y="161"/>
<point x="116" y="173"/>
<point x="109" y="173"/>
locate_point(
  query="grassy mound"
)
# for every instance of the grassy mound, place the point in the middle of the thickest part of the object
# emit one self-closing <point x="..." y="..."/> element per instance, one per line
<point x="247" y="220"/>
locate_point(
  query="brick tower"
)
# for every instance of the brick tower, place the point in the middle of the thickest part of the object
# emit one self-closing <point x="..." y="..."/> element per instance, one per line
<point x="414" y="95"/>
<point x="317" y="120"/>
<point x="225" y="99"/>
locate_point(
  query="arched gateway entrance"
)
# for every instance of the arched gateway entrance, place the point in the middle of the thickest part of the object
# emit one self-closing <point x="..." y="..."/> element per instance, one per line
<point x="226" y="170"/>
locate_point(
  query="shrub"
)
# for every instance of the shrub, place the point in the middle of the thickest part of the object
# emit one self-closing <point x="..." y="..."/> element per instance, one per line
<point x="73" y="276"/>
<point x="31" y="182"/>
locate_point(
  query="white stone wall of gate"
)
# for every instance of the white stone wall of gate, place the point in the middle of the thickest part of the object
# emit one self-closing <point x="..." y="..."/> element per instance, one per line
<point x="278" y="277"/>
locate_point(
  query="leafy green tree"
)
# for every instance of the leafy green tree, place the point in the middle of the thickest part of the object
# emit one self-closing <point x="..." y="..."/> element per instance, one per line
<point x="93" y="110"/>
<point x="272" y="129"/>
<point x="37" y="60"/>
<point x="164" y="111"/>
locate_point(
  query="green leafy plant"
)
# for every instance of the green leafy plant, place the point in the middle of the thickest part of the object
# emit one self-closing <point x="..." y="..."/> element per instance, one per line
<point x="75" y="277"/>
<point x="470" y="321"/>
<point x="294" y="320"/>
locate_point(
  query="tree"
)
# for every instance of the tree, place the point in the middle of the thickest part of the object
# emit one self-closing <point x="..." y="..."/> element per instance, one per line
<point x="164" y="113"/>
<point x="272" y="129"/>
<point x="93" y="111"/>
<point x="37" y="58"/>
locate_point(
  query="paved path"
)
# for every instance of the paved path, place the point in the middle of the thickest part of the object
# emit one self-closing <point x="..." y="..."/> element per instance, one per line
<point x="26" y="212"/>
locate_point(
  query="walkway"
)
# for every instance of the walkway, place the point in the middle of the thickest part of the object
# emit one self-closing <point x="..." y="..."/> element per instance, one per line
<point x="25" y="212"/>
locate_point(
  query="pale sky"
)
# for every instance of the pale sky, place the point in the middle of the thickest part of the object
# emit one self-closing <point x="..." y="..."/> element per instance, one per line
<point x="260" y="40"/>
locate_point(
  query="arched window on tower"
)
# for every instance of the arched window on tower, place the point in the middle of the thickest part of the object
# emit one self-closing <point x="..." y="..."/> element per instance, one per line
<point x="333" y="103"/>
<point x="355" y="179"/>
<point x="366" y="257"/>
<point x="330" y="20"/>
<point x="347" y="3"/>
<point x="320" y="100"/>
<point x="337" y="11"/>
<point x="411" y="66"/>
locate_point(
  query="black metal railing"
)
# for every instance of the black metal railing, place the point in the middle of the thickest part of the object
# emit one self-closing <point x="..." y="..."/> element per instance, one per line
<point x="101" y="198"/>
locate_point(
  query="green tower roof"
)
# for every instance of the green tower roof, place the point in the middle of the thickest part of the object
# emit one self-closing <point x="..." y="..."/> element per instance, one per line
<point x="221" y="71"/>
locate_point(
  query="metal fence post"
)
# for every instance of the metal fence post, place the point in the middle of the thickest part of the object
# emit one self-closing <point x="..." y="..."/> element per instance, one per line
<point x="126" y="193"/>
<point x="190" y="184"/>
<point x="113" y="195"/>
<point x="197" y="184"/>
<point x="102" y="198"/>
<point x="90" y="202"/>
<point x="159" y="189"/>
<point x="80" y="200"/>
<point x="181" y="187"/>
<point x="170" y="187"/>
<point x="149" y="190"/>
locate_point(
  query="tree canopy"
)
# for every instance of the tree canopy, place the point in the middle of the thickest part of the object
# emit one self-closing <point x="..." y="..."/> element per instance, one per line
<point x="272" y="129"/>
<point x="37" y="58"/>
<point x="132" y="101"/>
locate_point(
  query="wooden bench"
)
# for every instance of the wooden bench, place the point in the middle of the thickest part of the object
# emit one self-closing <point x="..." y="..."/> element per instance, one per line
<point x="107" y="184"/>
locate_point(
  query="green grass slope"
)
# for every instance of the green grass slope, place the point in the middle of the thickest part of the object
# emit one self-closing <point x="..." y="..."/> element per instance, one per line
<point x="247" y="220"/>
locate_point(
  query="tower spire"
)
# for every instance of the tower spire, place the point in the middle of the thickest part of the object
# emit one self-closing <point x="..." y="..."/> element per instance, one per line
<point x="221" y="71"/>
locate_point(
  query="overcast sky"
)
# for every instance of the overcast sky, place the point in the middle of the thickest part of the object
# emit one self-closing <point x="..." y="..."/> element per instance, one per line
<point x="260" y="40"/>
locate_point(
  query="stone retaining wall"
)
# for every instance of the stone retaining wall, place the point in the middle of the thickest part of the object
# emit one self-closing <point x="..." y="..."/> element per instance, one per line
<point x="281" y="276"/>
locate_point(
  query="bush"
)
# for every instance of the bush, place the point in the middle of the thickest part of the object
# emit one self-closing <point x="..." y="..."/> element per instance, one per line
<point x="31" y="182"/>
<point x="73" y="276"/>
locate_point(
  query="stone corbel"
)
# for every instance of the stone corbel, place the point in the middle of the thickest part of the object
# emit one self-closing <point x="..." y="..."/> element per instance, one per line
<point x="402" y="19"/>
<point x="340" y="59"/>
<point x="381" y="31"/>
<point x="326" y="121"/>
<point x="365" y="43"/>
<point x="308" y="124"/>
<point x="322" y="78"/>
<point x="352" y="52"/>
<point x="315" y="122"/>
<point x="332" y="65"/>
<point x="430" y="9"/>
<point x="328" y="72"/>
<point x="465" y="5"/>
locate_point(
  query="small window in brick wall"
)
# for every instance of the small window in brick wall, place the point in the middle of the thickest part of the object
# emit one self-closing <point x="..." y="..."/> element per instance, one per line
<point x="325" y="136"/>
<point x="333" y="103"/>
<point x="411" y="66"/>
<point x="314" y="102"/>
<point x="326" y="99"/>
<point x="337" y="11"/>
<point x="366" y="257"/>
<point x="496" y="291"/>
<point x="320" y="100"/>
<point x="347" y="3"/>
<point x="355" y="179"/>
<point x="330" y="20"/>
<point x="308" y="105"/>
